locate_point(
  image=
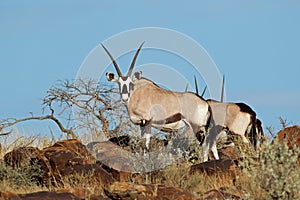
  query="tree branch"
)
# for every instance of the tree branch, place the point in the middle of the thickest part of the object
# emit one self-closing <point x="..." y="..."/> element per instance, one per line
<point x="46" y="117"/>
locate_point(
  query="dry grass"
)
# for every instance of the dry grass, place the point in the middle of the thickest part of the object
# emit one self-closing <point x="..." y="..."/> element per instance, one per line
<point x="179" y="175"/>
<point x="256" y="179"/>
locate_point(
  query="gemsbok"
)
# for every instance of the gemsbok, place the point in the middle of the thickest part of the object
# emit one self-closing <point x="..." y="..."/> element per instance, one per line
<point x="237" y="118"/>
<point x="149" y="105"/>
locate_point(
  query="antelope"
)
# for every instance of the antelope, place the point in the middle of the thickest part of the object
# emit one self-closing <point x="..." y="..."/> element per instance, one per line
<point x="148" y="105"/>
<point x="238" y="118"/>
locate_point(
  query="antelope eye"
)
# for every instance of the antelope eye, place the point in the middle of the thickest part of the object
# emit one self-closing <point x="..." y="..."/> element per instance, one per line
<point x="111" y="76"/>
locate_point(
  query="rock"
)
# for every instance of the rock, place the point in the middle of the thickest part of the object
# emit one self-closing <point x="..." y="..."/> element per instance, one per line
<point x="68" y="152"/>
<point x="45" y="195"/>
<point x="170" y="192"/>
<point x="113" y="156"/>
<point x="118" y="175"/>
<point x="64" y="194"/>
<point x="121" y="160"/>
<point x="23" y="156"/>
<point x="9" y="196"/>
<point x="69" y="157"/>
<point x="291" y="136"/>
<point x="99" y="175"/>
<point x="82" y="193"/>
<point x="128" y="190"/>
<point x="216" y="194"/>
<point x="225" y="166"/>
<point x="229" y="153"/>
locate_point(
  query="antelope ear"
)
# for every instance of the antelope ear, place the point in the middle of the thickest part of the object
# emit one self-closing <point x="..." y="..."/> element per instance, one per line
<point x="137" y="75"/>
<point x="111" y="77"/>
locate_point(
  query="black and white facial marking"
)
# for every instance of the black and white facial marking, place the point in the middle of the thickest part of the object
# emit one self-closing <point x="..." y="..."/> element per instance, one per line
<point x="125" y="87"/>
<point x="124" y="81"/>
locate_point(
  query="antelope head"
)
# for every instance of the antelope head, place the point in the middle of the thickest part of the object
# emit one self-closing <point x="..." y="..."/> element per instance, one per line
<point x="125" y="82"/>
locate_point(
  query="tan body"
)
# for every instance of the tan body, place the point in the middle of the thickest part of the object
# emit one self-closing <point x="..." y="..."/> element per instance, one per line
<point x="238" y="118"/>
<point x="230" y="116"/>
<point x="166" y="110"/>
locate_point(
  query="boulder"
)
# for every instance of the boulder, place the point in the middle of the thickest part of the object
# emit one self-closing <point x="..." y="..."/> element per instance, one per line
<point x="290" y="135"/>
<point x="68" y="157"/>
<point x="65" y="153"/>
<point x="9" y="196"/>
<point x="46" y="195"/>
<point x="229" y="153"/>
<point x="212" y="167"/>
<point x="99" y="175"/>
<point x="64" y="194"/>
<point x="25" y="156"/>
<point x="22" y="156"/>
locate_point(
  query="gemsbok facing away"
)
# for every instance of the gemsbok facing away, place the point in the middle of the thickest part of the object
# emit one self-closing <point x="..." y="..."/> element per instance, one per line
<point x="149" y="105"/>
<point x="237" y="118"/>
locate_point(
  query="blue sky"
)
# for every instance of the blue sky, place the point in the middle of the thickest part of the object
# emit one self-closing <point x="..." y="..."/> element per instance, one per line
<point x="256" y="44"/>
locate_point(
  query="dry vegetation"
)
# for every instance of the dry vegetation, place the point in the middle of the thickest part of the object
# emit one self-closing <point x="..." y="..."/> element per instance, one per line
<point x="271" y="173"/>
<point x="275" y="175"/>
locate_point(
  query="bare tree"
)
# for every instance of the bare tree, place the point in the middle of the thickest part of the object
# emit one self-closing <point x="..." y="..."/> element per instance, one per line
<point x="81" y="104"/>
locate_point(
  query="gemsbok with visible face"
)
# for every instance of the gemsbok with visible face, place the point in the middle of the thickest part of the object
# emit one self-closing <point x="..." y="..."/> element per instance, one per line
<point x="237" y="118"/>
<point x="149" y="105"/>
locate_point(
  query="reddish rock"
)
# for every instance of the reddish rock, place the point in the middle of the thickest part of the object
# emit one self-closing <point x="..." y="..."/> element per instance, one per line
<point x="69" y="157"/>
<point x="76" y="147"/>
<point x="211" y="167"/>
<point x="118" y="175"/>
<point x="82" y="193"/>
<point x="22" y="156"/>
<point x="49" y="196"/>
<point x="64" y="154"/>
<point x="9" y="196"/>
<point x="291" y="136"/>
<point x="229" y="153"/>
<point x="68" y="152"/>
<point x="127" y="190"/>
<point x="171" y="193"/>
<point x="100" y="176"/>
<point x="65" y="194"/>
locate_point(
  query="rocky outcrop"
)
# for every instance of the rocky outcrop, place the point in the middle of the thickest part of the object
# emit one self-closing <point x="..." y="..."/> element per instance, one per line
<point x="213" y="167"/>
<point x="290" y="135"/>
<point x="62" y="159"/>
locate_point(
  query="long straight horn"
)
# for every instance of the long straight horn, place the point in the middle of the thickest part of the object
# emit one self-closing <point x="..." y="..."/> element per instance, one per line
<point x="113" y="60"/>
<point x="204" y="91"/>
<point x="222" y="93"/>
<point x="134" y="59"/>
<point x="196" y="85"/>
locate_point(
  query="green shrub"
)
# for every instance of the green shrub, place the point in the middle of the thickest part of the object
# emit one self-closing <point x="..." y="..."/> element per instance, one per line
<point x="26" y="176"/>
<point x="275" y="174"/>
